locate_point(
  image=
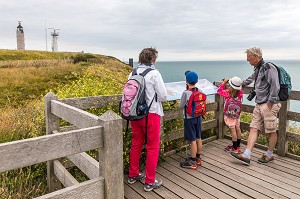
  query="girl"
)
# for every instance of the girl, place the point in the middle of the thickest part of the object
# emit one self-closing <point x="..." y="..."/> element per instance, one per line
<point x="232" y="108"/>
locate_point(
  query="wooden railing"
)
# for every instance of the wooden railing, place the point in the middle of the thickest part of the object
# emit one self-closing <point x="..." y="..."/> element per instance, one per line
<point x="105" y="134"/>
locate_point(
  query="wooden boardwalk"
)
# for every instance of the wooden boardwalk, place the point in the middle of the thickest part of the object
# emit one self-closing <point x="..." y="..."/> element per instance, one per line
<point x="221" y="176"/>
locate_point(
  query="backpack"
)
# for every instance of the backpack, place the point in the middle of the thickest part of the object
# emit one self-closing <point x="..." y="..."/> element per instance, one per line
<point x="285" y="83"/>
<point x="232" y="107"/>
<point x="133" y="105"/>
<point x="196" y="105"/>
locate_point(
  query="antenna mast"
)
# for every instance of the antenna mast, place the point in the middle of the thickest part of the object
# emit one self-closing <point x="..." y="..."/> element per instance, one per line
<point x="54" y="35"/>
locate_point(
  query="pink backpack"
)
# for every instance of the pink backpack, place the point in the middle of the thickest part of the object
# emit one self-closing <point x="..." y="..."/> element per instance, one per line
<point x="133" y="105"/>
<point x="233" y="107"/>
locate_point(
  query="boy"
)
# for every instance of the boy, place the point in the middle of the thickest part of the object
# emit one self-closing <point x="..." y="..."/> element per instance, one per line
<point x="192" y="125"/>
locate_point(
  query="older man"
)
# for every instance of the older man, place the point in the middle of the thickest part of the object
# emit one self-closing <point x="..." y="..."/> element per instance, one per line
<point x="266" y="89"/>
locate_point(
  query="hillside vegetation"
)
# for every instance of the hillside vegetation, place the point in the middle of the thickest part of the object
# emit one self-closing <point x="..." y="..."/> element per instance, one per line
<point x="26" y="76"/>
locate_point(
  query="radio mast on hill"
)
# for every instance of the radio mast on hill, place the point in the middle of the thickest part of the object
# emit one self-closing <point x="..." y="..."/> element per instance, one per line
<point x="20" y="37"/>
<point x="54" y="35"/>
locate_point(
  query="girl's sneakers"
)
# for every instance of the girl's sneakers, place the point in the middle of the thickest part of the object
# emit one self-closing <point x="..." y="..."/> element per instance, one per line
<point x="230" y="148"/>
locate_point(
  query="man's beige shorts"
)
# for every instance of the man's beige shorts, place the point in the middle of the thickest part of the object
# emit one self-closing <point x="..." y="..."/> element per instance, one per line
<point x="265" y="119"/>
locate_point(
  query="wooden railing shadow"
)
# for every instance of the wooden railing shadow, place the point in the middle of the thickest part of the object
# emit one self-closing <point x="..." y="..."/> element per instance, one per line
<point x="104" y="133"/>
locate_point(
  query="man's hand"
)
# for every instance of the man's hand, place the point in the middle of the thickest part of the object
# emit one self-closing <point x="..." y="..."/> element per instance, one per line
<point x="269" y="105"/>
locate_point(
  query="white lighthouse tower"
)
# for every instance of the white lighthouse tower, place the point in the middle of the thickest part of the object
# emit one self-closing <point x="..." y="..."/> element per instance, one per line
<point x="20" y="37"/>
<point x="54" y="35"/>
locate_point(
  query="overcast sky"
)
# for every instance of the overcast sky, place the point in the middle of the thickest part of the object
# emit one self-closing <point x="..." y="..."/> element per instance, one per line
<point x="180" y="30"/>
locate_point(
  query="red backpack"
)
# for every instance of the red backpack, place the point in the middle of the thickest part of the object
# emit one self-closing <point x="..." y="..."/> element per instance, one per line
<point x="196" y="105"/>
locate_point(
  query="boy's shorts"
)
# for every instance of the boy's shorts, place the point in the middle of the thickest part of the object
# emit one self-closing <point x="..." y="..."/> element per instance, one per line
<point x="192" y="128"/>
<point x="265" y="119"/>
<point x="231" y="122"/>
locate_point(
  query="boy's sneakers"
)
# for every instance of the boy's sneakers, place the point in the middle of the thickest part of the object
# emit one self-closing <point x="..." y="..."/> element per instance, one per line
<point x="265" y="159"/>
<point x="198" y="161"/>
<point x="189" y="164"/>
<point x="132" y="180"/>
<point x="149" y="187"/>
<point x="230" y="148"/>
<point x="239" y="157"/>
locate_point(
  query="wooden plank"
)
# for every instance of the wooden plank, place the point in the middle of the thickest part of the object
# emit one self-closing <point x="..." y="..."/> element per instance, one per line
<point x="85" y="103"/>
<point x="75" y="116"/>
<point x="277" y="169"/>
<point x="31" y="151"/>
<point x="88" y="165"/>
<point x="216" y="185"/>
<point x="90" y="189"/>
<point x="294" y="116"/>
<point x="247" y="108"/>
<point x="63" y="174"/>
<point x="224" y="166"/>
<point x="204" y="141"/>
<point x="227" y="178"/>
<point x="181" y="186"/>
<point x="111" y="155"/>
<point x="282" y="145"/>
<point x="52" y="124"/>
<point x="131" y="193"/>
<point x="250" y="173"/>
<point x="220" y="128"/>
<point x="178" y="113"/>
<point x="295" y="95"/>
<point x="293" y="137"/>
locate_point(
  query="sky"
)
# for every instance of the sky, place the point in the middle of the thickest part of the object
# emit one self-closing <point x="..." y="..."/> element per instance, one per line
<point x="190" y="30"/>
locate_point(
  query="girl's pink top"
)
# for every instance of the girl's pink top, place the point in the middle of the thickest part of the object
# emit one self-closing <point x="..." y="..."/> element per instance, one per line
<point x="225" y="92"/>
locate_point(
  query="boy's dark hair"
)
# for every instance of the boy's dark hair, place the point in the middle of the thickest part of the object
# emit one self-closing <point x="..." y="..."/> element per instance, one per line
<point x="148" y="56"/>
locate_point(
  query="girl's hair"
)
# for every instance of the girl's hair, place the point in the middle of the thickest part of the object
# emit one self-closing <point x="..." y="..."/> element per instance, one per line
<point x="148" y="56"/>
<point x="233" y="93"/>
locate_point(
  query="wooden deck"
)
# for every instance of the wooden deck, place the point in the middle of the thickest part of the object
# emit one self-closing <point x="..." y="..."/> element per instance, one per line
<point x="221" y="176"/>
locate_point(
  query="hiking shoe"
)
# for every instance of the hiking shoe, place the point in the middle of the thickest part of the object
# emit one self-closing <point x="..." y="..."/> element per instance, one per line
<point x="189" y="164"/>
<point x="149" y="187"/>
<point x="239" y="157"/>
<point x="231" y="149"/>
<point x="132" y="180"/>
<point x="199" y="161"/>
<point x="265" y="159"/>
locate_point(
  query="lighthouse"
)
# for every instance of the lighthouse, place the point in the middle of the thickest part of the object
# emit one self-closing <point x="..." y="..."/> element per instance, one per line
<point x="20" y="37"/>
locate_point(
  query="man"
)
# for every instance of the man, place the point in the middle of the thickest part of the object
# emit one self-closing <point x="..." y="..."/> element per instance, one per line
<point x="266" y="87"/>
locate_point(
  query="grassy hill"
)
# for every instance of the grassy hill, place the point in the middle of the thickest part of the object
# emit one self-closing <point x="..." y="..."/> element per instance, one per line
<point x="26" y="76"/>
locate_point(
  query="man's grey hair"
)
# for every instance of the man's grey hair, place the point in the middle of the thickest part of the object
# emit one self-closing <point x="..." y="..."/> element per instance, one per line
<point x="256" y="51"/>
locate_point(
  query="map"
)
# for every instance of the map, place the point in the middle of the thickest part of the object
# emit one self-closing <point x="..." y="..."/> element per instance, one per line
<point x="175" y="89"/>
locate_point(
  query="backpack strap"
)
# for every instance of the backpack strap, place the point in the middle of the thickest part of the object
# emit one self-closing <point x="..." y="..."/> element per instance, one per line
<point x="146" y="71"/>
<point x="134" y="72"/>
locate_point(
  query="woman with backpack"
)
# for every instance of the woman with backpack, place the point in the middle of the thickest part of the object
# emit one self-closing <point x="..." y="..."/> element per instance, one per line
<point x="232" y="109"/>
<point x="147" y="129"/>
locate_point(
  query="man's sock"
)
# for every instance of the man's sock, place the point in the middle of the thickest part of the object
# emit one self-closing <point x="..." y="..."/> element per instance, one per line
<point x="269" y="154"/>
<point x="247" y="154"/>
<point x="197" y="155"/>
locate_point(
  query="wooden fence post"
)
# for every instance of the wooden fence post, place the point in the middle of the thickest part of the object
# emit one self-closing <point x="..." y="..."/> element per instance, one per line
<point x="282" y="144"/>
<point x="111" y="155"/>
<point x="52" y="123"/>
<point x="219" y="114"/>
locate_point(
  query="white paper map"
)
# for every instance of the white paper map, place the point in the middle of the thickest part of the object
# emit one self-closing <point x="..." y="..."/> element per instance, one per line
<point x="175" y="89"/>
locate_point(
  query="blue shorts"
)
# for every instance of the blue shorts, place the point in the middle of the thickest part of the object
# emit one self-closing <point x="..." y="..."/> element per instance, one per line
<point x="192" y="128"/>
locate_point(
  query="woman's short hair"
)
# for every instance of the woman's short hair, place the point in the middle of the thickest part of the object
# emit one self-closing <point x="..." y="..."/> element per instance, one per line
<point x="148" y="56"/>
